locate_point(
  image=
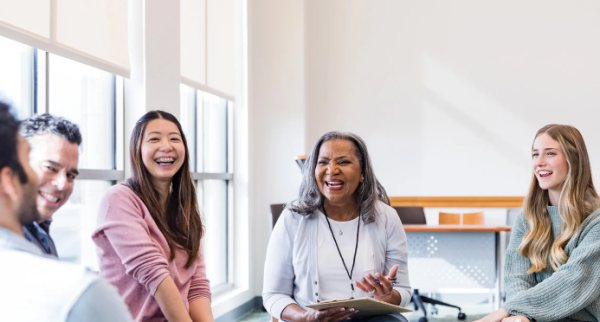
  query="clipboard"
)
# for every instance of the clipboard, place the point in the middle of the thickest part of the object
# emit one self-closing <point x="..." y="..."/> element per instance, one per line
<point x="366" y="306"/>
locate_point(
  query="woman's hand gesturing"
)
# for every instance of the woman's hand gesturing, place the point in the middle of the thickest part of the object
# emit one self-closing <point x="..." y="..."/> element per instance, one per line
<point x="381" y="287"/>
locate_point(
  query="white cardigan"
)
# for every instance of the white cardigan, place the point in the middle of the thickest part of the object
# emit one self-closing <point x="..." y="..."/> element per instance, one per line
<point x="291" y="274"/>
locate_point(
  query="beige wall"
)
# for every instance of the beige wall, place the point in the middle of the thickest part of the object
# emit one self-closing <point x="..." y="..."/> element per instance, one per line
<point x="449" y="94"/>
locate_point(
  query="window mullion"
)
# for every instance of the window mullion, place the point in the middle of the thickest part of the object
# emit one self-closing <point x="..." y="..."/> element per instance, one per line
<point x="47" y="82"/>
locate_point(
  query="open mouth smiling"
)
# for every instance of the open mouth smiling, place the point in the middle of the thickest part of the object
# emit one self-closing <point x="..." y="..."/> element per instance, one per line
<point x="334" y="184"/>
<point x="165" y="161"/>
<point x="49" y="197"/>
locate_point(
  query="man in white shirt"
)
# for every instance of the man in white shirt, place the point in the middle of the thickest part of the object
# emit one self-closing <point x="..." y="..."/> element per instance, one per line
<point x="36" y="287"/>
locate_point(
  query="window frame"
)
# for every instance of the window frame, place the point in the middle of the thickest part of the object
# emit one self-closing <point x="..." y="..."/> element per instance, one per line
<point x="40" y="92"/>
<point x="198" y="175"/>
<point x="41" y="104"/>
<point x="43" y="99"/>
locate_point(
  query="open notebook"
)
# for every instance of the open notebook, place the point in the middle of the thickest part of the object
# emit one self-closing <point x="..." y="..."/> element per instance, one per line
<point x="366" y="306"/>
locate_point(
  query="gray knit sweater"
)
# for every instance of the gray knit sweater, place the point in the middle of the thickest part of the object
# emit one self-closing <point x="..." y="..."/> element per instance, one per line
<point x="570" y="294"/>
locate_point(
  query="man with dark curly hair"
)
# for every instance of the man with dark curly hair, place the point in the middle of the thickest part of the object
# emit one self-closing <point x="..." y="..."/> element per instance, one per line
<point x="54" y="156"/>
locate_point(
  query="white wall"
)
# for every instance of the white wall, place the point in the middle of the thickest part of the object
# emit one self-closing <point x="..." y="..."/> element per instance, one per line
<point x="449" y="94"/>
<point x="276" y="114"/>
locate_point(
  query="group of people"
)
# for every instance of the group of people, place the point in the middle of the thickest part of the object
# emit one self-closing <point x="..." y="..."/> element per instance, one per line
<point x="148" y="235"/>
<point x="339" y="239"/>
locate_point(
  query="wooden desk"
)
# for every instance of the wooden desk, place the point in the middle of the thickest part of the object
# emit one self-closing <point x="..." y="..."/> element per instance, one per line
<point x="456" y="228"/>
<point x="457" y="256"/>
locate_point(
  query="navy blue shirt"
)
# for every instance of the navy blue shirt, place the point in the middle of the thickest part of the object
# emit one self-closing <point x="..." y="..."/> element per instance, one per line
<point x="39" y="234"/>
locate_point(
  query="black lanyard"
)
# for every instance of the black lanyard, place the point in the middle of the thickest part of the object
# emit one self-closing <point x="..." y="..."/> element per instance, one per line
<point x="338" y="248"/>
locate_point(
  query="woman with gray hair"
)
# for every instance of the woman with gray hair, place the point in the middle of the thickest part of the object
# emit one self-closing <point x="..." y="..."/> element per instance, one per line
<point x="340" y="239"/>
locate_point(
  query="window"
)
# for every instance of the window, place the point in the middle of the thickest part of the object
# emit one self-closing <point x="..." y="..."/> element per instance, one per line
<point x="16" y="83"/>
<point x="188" y="121"/>
<point x="86" y="96"/>
<point x="214" y="120"/>
<point x="74" y="222"/>
<point x="35" y="81"/>
<point x="92" y="99"/>
<point x="207" y="118"/>
<point x="216" y="238"/>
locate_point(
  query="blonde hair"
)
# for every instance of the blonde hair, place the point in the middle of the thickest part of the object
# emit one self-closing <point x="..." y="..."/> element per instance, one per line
<point x="578" y="199"/>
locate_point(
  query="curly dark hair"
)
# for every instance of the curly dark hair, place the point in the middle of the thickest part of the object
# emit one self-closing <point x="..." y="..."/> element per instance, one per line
<point x="9" y="131"/>
<point x="47" y="123"/>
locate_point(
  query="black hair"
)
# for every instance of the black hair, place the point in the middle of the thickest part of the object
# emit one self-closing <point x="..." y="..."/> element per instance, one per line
<point x="47" y="123"/>
<point x="9" y="133"/>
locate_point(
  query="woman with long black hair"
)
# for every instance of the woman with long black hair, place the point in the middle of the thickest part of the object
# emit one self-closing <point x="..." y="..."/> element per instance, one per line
<point x="149" y="228"/>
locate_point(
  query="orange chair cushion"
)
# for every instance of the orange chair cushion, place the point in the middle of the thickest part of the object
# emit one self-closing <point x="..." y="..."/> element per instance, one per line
<point x="449" y="219"/>
<point x="474" y="218"/>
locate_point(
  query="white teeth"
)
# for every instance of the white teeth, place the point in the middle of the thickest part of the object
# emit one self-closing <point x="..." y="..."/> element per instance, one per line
<point x="545" y="172"/>
<point x="165" y="161"/>
<point x="334" y="184"/>
<point x="49" y="197"/>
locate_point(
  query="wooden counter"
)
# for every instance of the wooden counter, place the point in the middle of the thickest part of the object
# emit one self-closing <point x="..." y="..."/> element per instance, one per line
<point x="457" y="202"/>
<point x="456" y="228"/>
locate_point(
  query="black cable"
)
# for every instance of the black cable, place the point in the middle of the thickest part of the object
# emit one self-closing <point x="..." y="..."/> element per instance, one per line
<point x="338" y="248"/>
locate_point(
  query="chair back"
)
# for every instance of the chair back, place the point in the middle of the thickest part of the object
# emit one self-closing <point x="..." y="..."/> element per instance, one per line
<point x="411" y="215"/>
<point x="449" y="219"/>
<point x="473" y="218"/>
<point x="276" y="210"/>
<point x="300" y="160"/>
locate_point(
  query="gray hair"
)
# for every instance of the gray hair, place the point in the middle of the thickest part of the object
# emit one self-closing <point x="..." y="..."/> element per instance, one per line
<point x="48" y="123"/>
<point x="368" y="192"/>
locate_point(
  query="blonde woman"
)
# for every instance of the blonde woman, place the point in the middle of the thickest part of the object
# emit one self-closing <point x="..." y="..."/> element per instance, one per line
<point x="552" y="267"/>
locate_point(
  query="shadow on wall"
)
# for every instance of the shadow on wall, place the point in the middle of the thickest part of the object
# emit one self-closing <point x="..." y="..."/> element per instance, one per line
<point x="474" y="110"/>
<point x="476" y="137"/>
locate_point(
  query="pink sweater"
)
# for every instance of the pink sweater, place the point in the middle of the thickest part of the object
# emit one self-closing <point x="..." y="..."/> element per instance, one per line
<point x="133" y="256"/>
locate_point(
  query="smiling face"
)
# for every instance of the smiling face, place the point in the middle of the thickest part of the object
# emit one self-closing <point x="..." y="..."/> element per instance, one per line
<point x="54" y="159"/>
<point x="549" y="163"/>
<point x="338" y="172"/>
<point x="163" y="151"/>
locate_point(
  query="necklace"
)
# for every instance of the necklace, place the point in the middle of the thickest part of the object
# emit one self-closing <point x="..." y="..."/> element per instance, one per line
<point x="340" y="231"/>
<point x="340" y="253"/>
